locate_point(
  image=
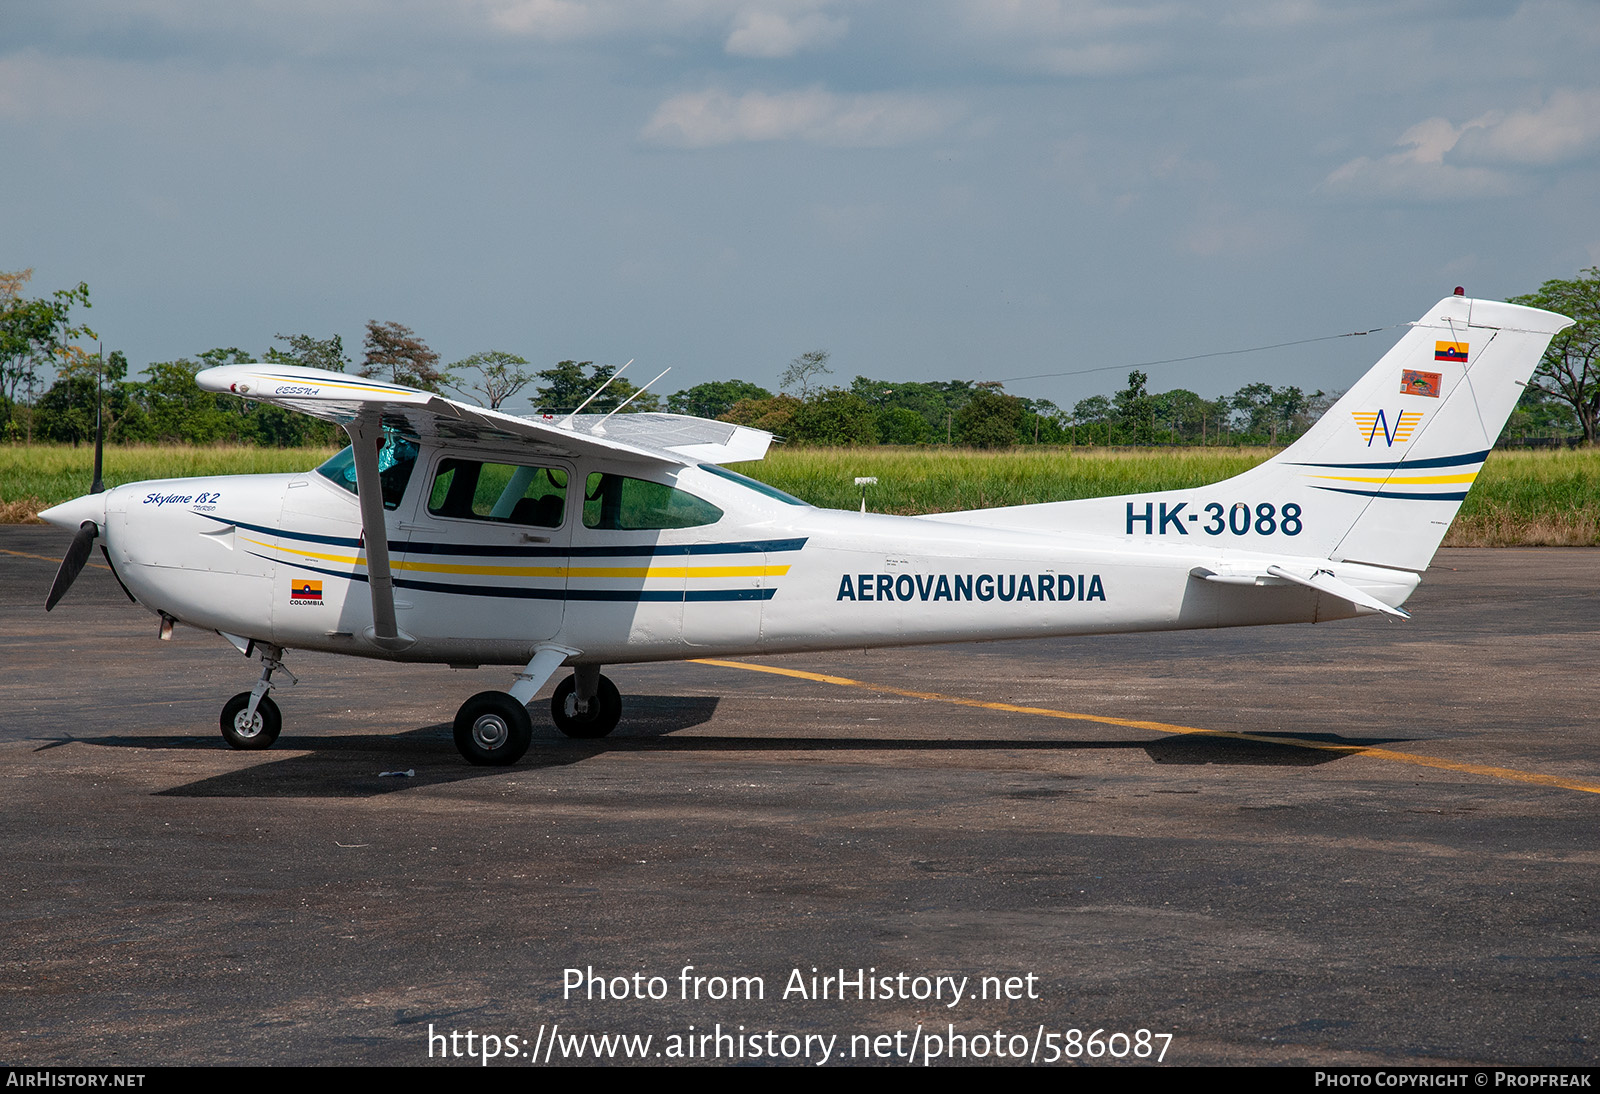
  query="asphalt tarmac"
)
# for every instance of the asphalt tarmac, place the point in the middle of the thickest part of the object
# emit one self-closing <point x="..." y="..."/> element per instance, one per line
<point x="1355" y="843"/>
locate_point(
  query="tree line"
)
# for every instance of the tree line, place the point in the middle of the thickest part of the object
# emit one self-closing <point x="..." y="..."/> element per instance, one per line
<point x="39" y="340"/>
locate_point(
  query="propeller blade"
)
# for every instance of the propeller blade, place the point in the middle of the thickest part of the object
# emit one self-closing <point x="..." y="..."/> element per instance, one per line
<point x="72" y="564"/>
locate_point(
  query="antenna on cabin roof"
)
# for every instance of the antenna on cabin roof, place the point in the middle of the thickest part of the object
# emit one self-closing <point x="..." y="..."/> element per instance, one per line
<point x="629" y="399"/>
<point x="865" y="481"/>
<point x="567" y="421"/>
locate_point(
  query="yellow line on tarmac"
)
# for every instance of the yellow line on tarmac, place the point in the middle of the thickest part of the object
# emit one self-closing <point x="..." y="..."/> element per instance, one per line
<point x="1507" y="773"/>
<point x="47" y="558"/>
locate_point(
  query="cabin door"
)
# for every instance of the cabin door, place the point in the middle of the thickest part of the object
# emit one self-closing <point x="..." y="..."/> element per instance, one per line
<point x="485" y="558"/>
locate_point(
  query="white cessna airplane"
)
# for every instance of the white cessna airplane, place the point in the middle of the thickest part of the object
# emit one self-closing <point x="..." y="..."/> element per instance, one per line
<point x="450" y="534"/>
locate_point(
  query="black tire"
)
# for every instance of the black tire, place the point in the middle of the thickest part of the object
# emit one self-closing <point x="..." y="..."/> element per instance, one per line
<point x="493" y="729"/>
<point x="260" y="733"/>
<point x="605" y="710"/>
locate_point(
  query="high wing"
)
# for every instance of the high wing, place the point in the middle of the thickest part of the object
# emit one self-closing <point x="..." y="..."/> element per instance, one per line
<point x="671" y="439"/>
<point x="366" y="408"/>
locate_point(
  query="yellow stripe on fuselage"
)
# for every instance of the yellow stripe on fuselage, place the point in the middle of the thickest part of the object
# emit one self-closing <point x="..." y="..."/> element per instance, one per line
<point x="544" y="571"/>
<point x="1407" y="480"/>
<point x="595" y="571"/>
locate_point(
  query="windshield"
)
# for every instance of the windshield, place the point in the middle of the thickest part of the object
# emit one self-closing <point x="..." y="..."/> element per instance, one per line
<point x="396" y="459"/>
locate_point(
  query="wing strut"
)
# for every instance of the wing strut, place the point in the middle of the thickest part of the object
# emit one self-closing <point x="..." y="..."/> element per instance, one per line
<point x="366" y="435"/>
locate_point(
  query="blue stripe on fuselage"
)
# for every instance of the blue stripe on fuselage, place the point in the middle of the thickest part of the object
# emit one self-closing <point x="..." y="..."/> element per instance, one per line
<point x="1437" y="461"/>
<point x="641" y="550"/>
<point x="666" y="596"/>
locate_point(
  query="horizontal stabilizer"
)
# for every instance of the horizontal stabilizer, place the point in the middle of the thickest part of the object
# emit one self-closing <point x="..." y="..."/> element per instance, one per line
<point x="1321" y="579"/>
<point x="1324" y="582"/>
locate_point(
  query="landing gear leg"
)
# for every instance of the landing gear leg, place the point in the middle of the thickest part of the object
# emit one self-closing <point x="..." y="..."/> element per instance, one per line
<point x="586" y="704"/>
<point x="251" y="720"/>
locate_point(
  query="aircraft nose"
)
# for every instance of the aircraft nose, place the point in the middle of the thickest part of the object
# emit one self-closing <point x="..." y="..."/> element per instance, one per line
<point x="71" y="514"/>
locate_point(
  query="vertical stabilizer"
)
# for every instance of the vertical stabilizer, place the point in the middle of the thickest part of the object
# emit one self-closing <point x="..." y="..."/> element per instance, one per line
<point x="1380" y="476"/>
<point x="1388" y="466"/>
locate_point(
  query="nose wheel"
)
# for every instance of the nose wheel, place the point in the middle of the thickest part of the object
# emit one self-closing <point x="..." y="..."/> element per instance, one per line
<point x="243" y="730"/>
<point x="250" y="720"/>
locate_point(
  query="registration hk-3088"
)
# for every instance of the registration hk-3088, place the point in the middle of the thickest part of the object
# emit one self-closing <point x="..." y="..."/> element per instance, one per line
<point x="1265" y="519"/>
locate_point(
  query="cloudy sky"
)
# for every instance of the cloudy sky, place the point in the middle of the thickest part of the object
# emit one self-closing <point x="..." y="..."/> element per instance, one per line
<point x="950" y="188"/>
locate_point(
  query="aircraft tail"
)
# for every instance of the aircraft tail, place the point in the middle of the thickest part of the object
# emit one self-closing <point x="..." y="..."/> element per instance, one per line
<point x="1376" y="480"/>
<point x="1382" y="474"/>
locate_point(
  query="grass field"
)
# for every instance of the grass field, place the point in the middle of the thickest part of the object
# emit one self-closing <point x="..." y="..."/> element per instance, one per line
<point x="34" y="477"/>
<point x="1520" y="499"/>
<point x="942" y="480"/>
<point x="1532" y="499"/>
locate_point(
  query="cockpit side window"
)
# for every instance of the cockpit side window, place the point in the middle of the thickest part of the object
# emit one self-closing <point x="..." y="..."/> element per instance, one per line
<point x="619" y="503"/>
<point x="502" y="492"/>
<point x="396" y="460"/>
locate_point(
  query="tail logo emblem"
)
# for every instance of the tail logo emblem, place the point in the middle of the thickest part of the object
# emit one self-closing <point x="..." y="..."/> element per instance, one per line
<point x="1450" y="351"/>
<point x="1375" y="423"/>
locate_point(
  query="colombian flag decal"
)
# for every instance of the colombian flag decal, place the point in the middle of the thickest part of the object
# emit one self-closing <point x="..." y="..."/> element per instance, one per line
<point x="305" y="592"/>
<point x="1450" y="351"/>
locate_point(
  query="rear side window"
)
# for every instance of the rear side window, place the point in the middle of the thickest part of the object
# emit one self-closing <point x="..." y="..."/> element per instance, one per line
<point x="504" y="492"/>
<point x="754" y="484"/>
<point x="619" y="503"/>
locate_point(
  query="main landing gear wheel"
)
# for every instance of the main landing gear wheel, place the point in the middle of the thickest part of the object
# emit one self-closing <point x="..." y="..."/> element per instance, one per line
<point x="605" y="709"/>
<point x="258" y="732"/>
<point x="493" y="729"/>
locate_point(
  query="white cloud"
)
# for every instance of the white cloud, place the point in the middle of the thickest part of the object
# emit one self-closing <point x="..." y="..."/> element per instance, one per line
<point x="1566" y="127"/>
<point x="762" y="32"/>
<point x="765" y="28"/>
<point x="553" y="19"/>
<point x="1068" y="37"/>
<point x="703" y="119"/>
<point x="1419" y="170"/>
<point x="1439" y="159"/>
